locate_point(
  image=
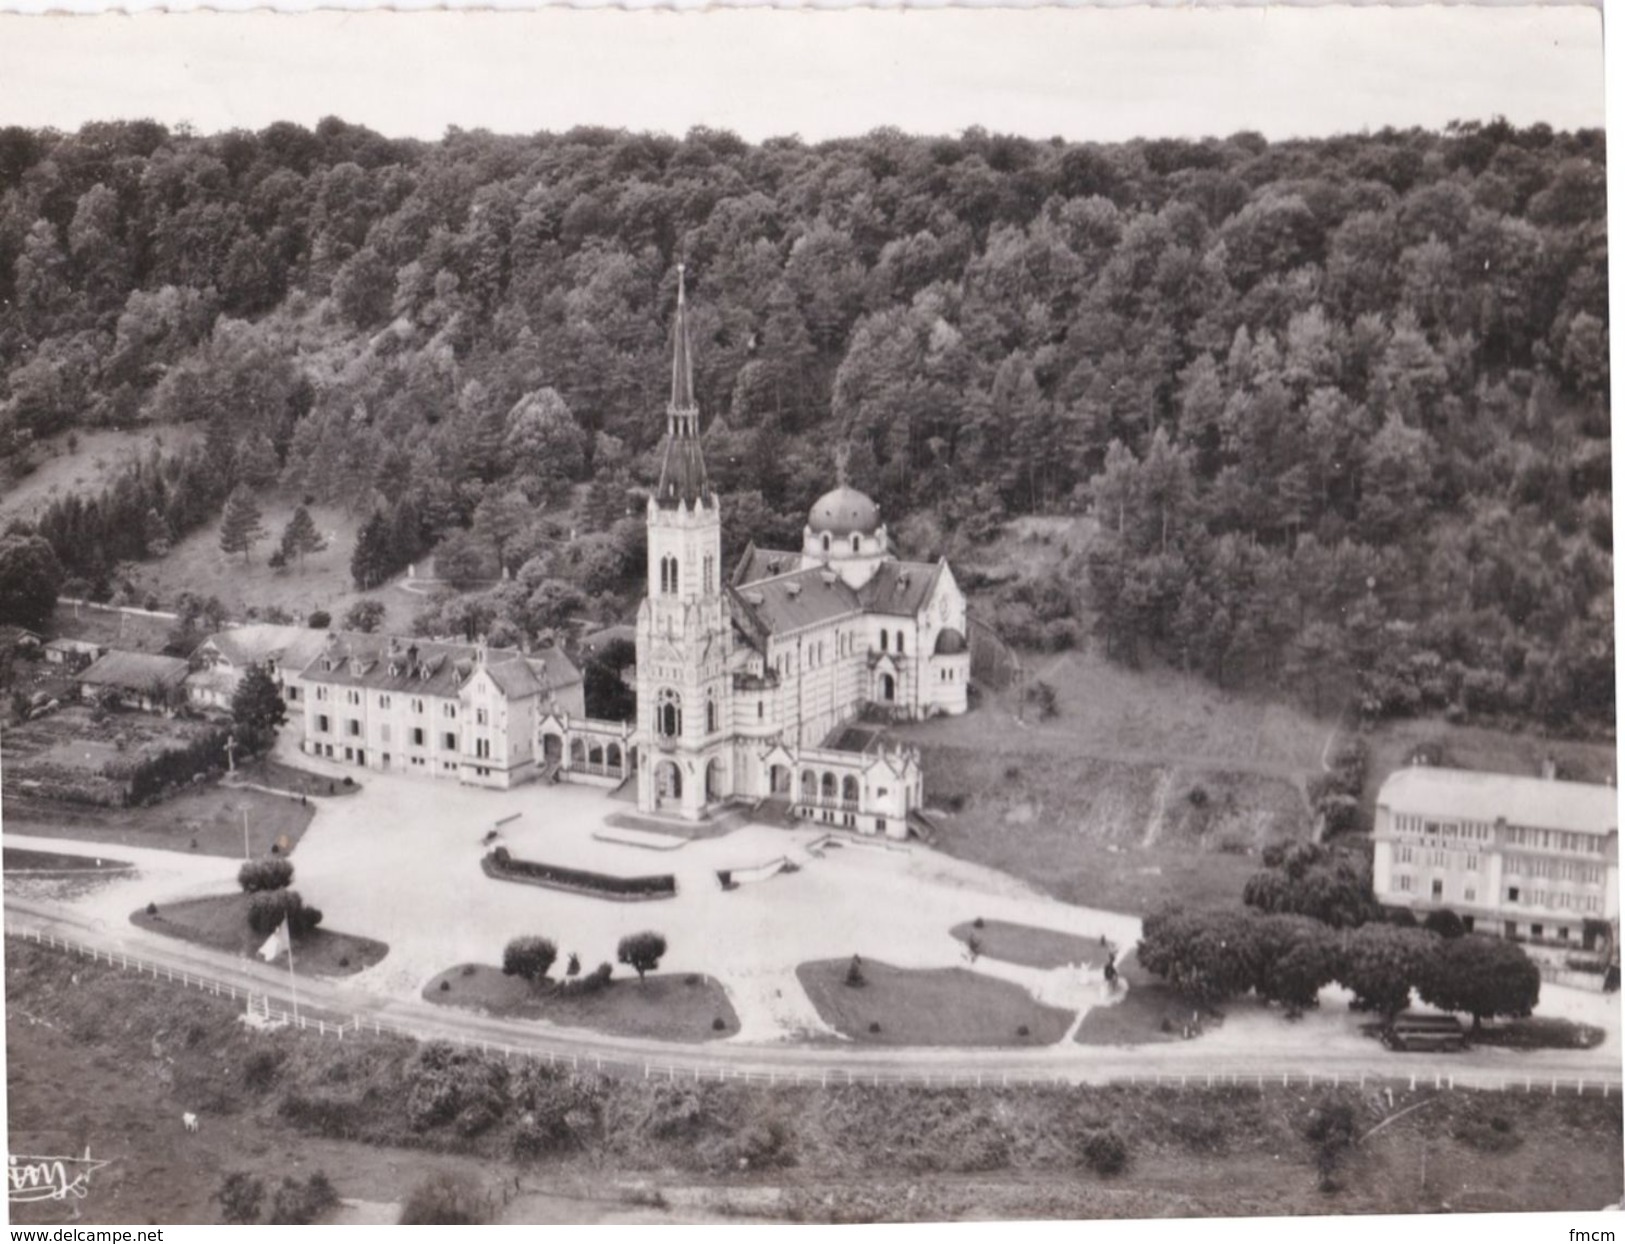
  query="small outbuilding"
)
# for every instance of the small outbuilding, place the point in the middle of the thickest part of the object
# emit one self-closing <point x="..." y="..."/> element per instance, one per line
<point x="140" y="679"/>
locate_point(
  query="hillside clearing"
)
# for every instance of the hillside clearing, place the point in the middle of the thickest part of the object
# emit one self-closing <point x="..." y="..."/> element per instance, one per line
<point x="100" y="455"/>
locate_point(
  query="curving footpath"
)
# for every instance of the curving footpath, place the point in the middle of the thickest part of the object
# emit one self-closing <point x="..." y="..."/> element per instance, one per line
<point x="336" y="1010"/>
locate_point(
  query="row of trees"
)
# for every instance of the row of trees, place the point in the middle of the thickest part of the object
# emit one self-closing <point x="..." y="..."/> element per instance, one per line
<point x="1214" y="955"/>
<point x="531" y="958"/>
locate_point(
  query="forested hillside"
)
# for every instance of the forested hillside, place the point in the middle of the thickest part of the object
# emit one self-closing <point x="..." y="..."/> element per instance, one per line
<point x="1339" y="406"/>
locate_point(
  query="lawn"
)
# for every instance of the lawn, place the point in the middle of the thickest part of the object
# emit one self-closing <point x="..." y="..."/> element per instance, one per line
<point x="1031" y="946"/>
<point x="266" y="771"/>
<point x="1144" y="1004"/>
<point x="1480" y="748"/>
<point x="14" y="860"/>
<point x="664" y="1008"/>
<point x="220" y="922"/>
<point x="207" y="819"/>
<point x="1109" y="834"/>
<point x="197" y="564"/>
<point x="939" y="1006"/>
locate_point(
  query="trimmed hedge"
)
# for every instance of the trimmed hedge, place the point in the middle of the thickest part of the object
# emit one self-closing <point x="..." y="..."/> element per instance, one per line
<point x="503" y="866"/>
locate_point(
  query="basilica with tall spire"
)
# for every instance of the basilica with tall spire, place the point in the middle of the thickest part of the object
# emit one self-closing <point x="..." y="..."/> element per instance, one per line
<point x="747" y="684"/>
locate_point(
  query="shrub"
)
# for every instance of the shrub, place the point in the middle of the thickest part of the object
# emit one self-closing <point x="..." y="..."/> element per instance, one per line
<point x="1023" y="1031"/>
<point x="444" y="1200"/>
<point x="1331" y="1131"/>
<point x="239" y="1196"/>
<point x="260" y="1069"/>
<point x="978" y="923"/>
<point x="445" y="986"/>
<point x="719" y="1024"/>
<point x="300" y="1203"/>
<point x="256" y="876"/>
<point x="319" y="620"/>
<point x="152" y="909"/>
<point x="267" y="911"/>
<point x="854" y="973"/>
<point x="469" y="969"/>
<point x="874" y="1025"/>
<point x="691" y="979"/>
<point x="1104" y="1152"/>
<point x="1444" y="922"/>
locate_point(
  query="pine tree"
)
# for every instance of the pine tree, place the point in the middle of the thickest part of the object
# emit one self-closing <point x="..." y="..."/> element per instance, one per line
<point x="241" y="527"/>
<point x="300" y="536"/>
<point x="370" y="564"/>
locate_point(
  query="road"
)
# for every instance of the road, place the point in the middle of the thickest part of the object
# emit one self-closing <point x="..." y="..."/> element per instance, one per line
<point x="334" y="1002"/>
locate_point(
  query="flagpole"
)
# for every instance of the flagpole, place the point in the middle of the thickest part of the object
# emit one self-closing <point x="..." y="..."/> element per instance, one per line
<point x="293" y="987"/>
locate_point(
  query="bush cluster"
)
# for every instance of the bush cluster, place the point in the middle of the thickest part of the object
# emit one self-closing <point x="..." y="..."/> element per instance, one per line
<point x="268" y="910"/>
<point x="502" y="864"/>
<point x="272" y="873"/>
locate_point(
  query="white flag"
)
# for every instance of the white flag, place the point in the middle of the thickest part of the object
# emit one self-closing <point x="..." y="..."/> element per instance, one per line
<point x="276" y="943"/>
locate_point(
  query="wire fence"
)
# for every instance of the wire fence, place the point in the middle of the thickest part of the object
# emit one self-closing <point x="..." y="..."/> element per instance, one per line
<point x="325" y="1022"/>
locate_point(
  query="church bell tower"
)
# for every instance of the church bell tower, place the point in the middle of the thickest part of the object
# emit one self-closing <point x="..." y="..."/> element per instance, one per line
<point x="685" y="762"/>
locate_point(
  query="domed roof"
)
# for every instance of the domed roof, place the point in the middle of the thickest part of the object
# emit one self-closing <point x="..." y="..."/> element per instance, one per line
<point x="843" y="511"/>
<point x="950" y="642"/>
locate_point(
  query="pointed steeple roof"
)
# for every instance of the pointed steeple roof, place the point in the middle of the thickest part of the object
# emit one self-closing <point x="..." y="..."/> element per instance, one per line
<point x="682" y="355"/>
<point x="682" y="465"/>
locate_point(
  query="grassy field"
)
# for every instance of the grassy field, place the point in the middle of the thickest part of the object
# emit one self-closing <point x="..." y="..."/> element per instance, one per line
<point x="1115" y="835"/>
<point x="667" y="1008"/>
<point x="220" y="922"/>
<point x="196" y="564"/>
<point x="1031" y="946"/>
<point x="1145" y="787"/>
<point x="100" y="456"/>
<point x="941" y="1006"/>
<point x="106" y="1059"/>
<point x="266" y="771"/>
<point x="209" y="816"/>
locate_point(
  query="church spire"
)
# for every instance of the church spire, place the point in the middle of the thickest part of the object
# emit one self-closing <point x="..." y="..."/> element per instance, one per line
<point x="682" y="466"/>
<point x="682" y="360"/>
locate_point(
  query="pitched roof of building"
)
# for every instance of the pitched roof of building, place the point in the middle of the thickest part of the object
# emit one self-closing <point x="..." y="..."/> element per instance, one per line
<point x="755" y="563"/>
<point x="135" y="671"/>
<point x="1539" y="803"/>
<point x="792" y="601"/>
<point x="430" y="667"/>
<point x="292" y="646"/>
<point x="901" y="588"/>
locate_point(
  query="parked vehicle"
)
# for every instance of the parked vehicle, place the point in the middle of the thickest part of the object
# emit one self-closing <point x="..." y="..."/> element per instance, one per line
<point x="1425" y="1034"/>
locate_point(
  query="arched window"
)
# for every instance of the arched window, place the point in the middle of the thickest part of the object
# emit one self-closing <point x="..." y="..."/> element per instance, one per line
<point x="710" y="714"/>
<point x="578" y="752"/>
<point x="809" y="786"/>
<point x="669" y="713"/>
<point x="674" y="576"/>
<point x="849" y="789"/>
<point x="595" y="754"/>
<point x="855" y="544"/>
<point x="829" y="787"/>
<point x="885" y="638"/>
<point x="710" y="574"/>
<point x="612" y="756"/>
<point x="899" y="643"/>
<point x="826" y="542"/>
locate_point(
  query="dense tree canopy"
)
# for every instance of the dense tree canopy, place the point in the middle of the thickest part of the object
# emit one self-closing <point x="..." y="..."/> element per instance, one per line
<point x="1338" y="405"/>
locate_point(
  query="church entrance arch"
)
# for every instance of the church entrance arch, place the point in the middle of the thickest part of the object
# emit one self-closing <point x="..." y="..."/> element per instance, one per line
<point x="715" y="781"/>
<point x="888" y="689"/>
<point x="778" y="778"/>
<point x="668" y="780"/>
<point x="552" y="749"/>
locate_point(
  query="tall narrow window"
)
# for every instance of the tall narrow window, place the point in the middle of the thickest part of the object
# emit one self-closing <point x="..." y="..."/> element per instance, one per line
<point x="669" y="714"/>
<point x="899" y="643"/>
<point x="710" y="714"/>
<point x="710" y="574"/>
<point x="885" y="638"/>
